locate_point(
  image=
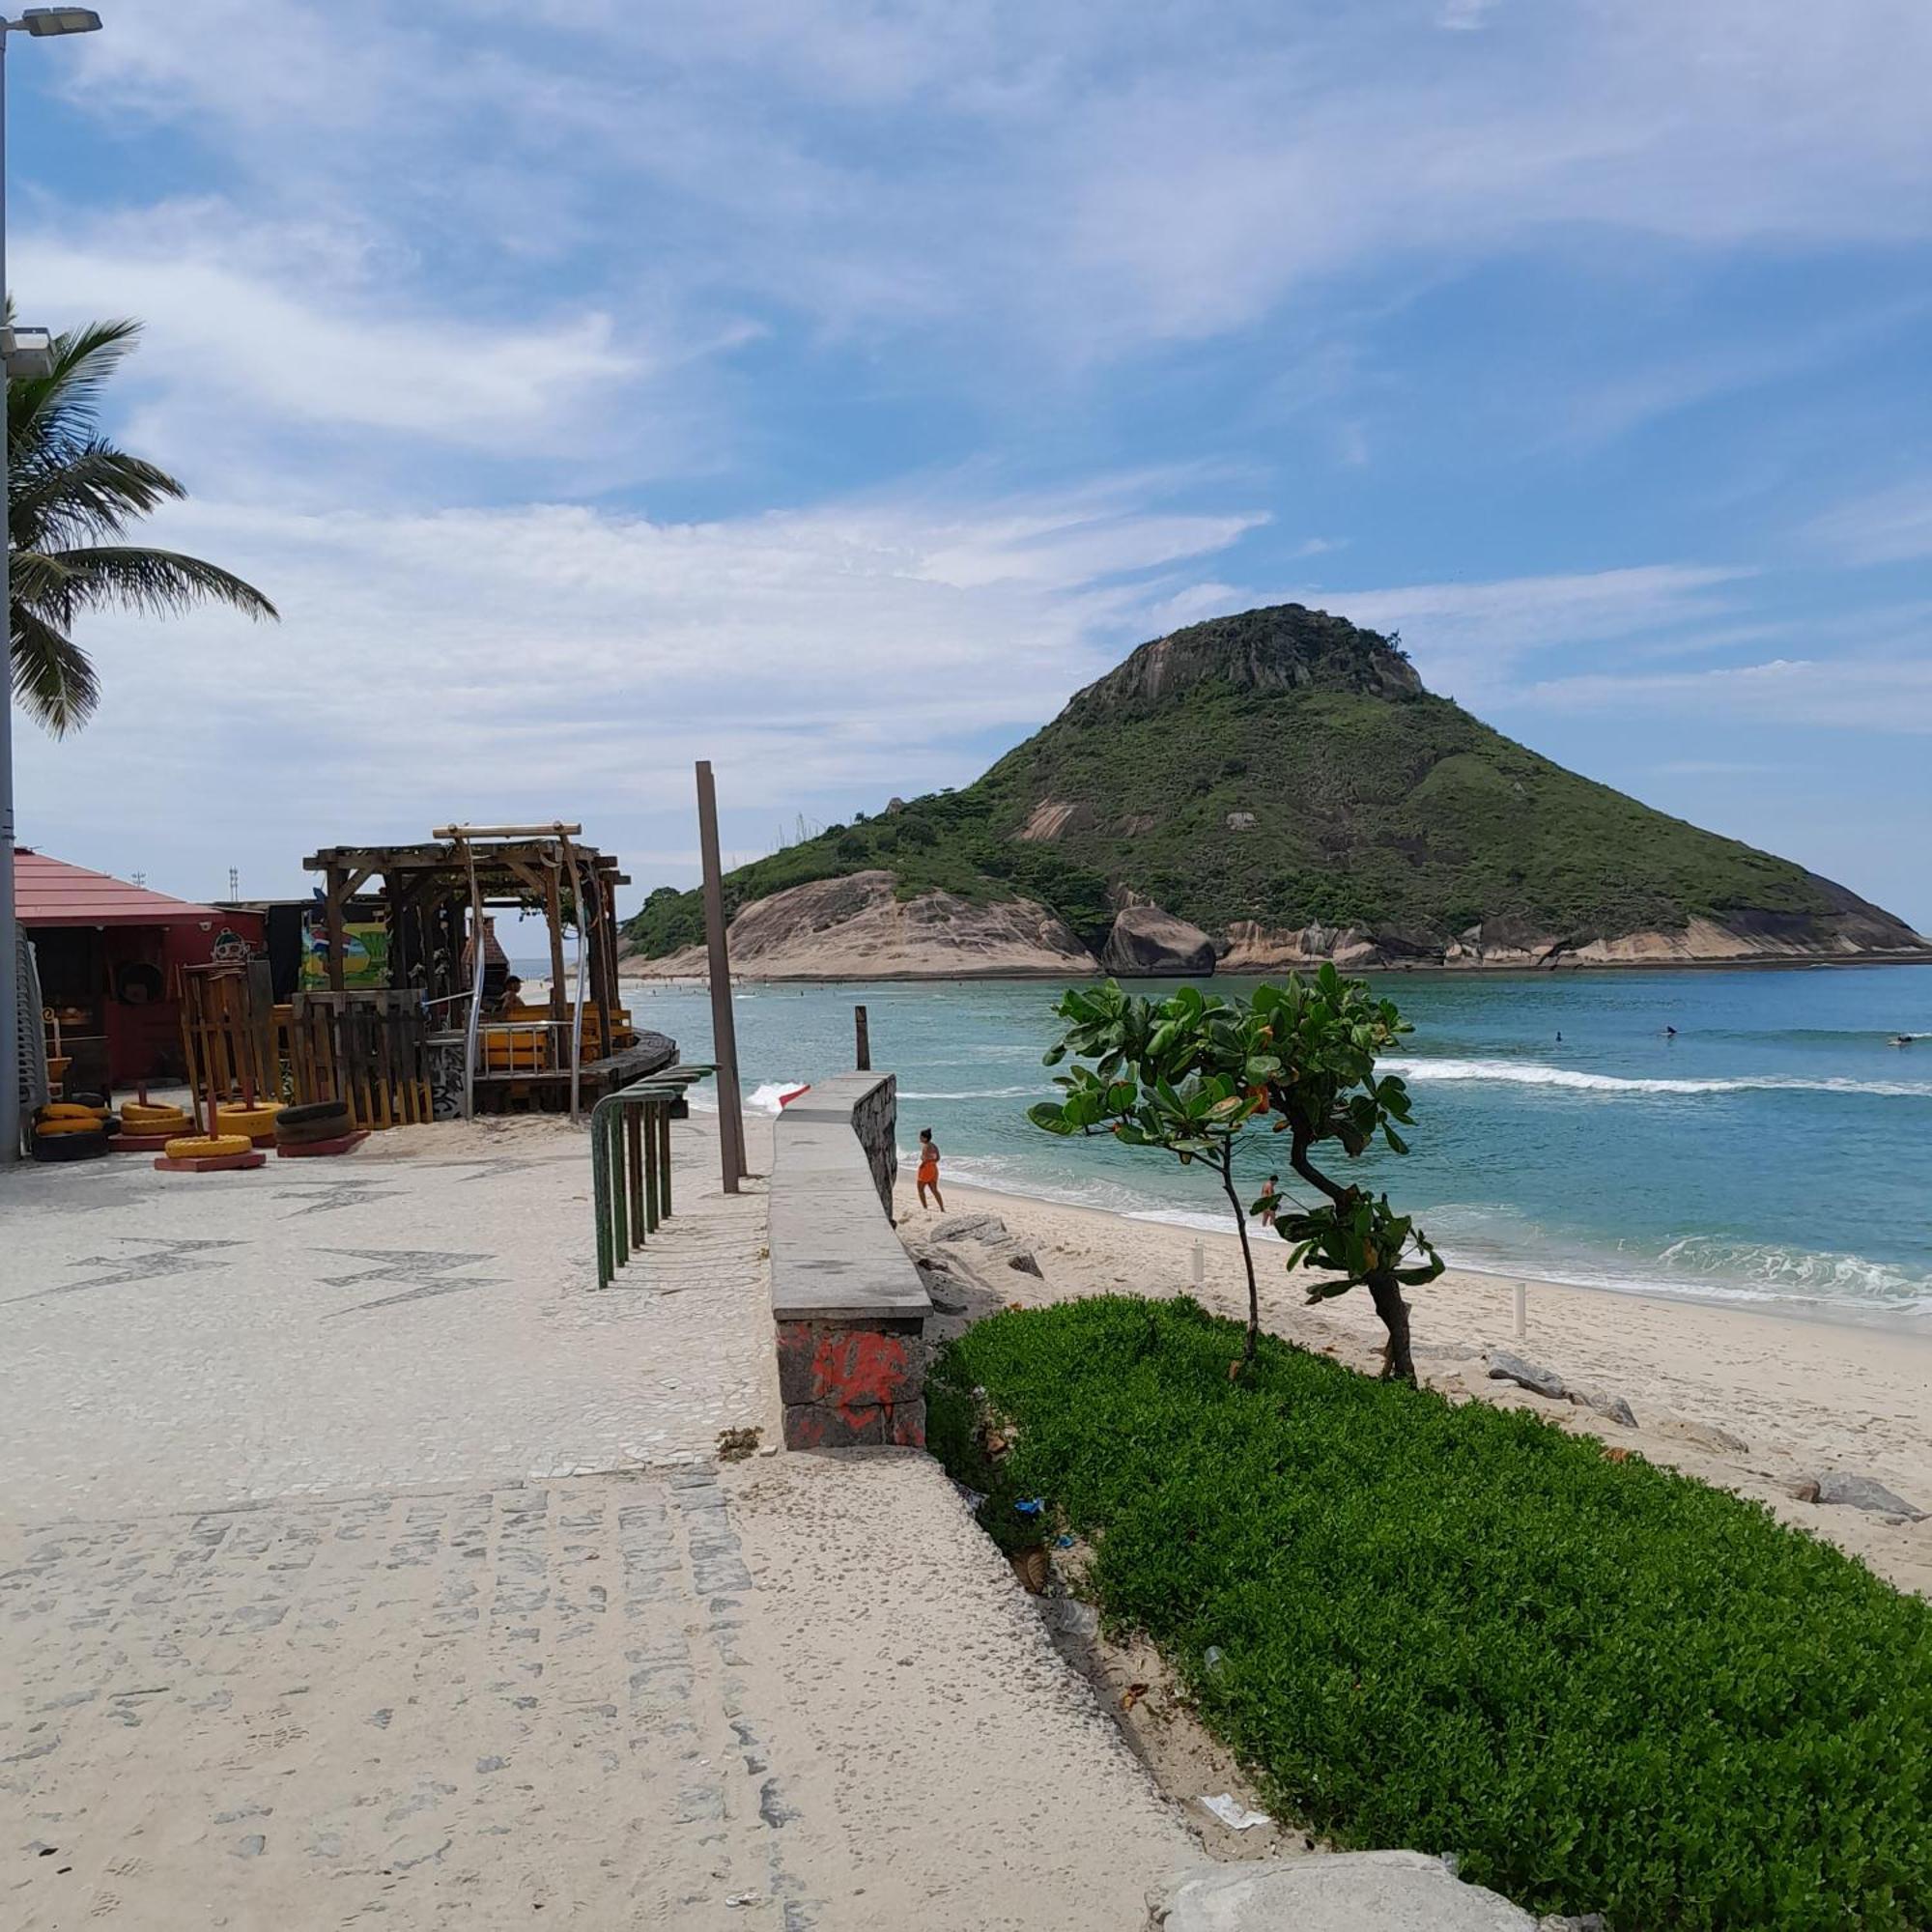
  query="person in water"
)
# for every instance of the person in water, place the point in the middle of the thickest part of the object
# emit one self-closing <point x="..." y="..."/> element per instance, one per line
<point x="928" y="1169"/>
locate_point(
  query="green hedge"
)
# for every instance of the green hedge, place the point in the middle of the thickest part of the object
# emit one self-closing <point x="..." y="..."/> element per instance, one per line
<point x="1605" y="1687"/>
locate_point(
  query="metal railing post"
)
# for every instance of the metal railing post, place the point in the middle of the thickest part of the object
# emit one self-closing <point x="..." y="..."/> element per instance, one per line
<point x="630" y="1164"/>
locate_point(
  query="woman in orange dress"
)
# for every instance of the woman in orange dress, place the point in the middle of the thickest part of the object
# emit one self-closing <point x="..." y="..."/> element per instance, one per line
<point x="928" y="1169"/>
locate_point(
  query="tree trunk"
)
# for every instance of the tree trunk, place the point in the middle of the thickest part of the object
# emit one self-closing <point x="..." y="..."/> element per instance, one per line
<point x="1247" y="1260"/>
<point x="1398" y="1364"/>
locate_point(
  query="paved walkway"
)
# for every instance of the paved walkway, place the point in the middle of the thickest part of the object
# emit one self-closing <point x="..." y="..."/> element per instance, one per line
<point x="358" y="1560"/>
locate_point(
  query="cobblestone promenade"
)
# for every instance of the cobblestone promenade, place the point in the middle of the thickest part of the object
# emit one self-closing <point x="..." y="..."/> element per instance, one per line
<point x="360" y="1563"/>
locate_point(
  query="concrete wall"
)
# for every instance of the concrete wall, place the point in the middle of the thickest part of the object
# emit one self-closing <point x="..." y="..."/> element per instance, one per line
<point x="849" y="1307"/>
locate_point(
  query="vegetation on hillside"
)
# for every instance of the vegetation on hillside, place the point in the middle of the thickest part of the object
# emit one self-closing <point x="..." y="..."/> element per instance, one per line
<point x="1365" y="802"/>
<point x="1603" y="1687"/>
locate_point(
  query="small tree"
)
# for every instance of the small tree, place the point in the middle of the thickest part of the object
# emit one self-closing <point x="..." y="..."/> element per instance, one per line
<point x="1326" y="1034"/>
<point x="1190" y="1074"/>
<point x="1185" y="1074"/>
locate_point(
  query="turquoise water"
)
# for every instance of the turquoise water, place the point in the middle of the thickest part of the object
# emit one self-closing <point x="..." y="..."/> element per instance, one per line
<point x="1777" y="1151"/>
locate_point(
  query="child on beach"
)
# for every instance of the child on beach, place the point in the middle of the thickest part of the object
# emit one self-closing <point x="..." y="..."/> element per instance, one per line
<point x="928" y="1169"/>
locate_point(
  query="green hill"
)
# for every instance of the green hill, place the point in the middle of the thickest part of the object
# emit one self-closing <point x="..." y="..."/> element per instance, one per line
<point x="1282" y="781"/>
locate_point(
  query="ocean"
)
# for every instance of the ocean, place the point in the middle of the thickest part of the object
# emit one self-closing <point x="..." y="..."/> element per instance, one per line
<point x="1776" y="1152"/>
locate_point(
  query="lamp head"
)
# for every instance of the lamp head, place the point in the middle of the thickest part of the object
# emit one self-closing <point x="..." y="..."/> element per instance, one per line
<point x="44" y="21"/>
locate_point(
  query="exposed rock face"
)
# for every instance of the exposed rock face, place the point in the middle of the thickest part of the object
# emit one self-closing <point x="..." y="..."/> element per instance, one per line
<point x="1285" y="647"/>
<point x="855" y="928"/>
<point x="1146" y="941"/>
<point x="1253" y="947"/>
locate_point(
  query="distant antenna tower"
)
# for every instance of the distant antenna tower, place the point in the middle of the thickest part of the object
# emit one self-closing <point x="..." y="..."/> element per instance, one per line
<point x="140" y="879"/>
<point x="234" y="882"/>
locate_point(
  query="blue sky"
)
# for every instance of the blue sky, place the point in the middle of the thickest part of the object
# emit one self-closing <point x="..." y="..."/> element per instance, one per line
<point x="830" y="389"/>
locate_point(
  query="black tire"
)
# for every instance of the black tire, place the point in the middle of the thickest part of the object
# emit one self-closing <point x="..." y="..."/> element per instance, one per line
<point x="312" y="1113"/>
<point x="316" y="1132"/>
<point x="111" y="1125"/>
<point x="68" y="1147"/>
<point x="87" y="1100"/>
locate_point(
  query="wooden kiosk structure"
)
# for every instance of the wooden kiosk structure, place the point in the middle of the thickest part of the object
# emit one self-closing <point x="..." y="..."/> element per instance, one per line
<point x="436" y="899"/>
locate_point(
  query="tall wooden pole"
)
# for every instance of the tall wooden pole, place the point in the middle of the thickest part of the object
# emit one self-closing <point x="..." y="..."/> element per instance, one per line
<point x="724" y="1031"/>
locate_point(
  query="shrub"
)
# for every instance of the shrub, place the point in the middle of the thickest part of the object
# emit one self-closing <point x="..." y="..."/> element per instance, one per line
<point x="1603" y="1686"/>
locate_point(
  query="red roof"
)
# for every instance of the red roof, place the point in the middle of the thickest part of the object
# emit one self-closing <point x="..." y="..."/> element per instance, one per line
<point x="48" y="891"/>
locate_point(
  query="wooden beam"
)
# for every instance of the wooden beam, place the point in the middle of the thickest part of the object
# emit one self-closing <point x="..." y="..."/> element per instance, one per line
<point x="724" y="1027"/>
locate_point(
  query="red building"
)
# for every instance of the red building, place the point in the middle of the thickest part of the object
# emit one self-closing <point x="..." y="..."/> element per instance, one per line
<point x="110" y="957"/>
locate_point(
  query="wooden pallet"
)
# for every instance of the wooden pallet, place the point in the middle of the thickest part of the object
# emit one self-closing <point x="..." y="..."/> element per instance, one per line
<point x="301" y="1149"/>
<point x="366" y="1048"/>
<point x="211" y="1163"/>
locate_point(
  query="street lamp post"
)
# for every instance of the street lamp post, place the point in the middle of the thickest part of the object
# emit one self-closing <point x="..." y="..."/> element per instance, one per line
<point x="20" y="359"/>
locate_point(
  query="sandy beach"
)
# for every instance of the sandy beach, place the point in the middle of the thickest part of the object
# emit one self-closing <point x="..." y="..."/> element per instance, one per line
<point x="1755" y="1401"/>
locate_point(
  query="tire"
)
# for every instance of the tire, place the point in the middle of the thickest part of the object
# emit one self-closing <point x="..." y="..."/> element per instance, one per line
<point x="64" y="1109"/>
<point x="246" y="1120"/>
<point x="314" y="1132"/>
<point x="138" y="985"/>
<point x="65" y="1126"/>
<point x="70" y="1146"/>
<point x="96" y="1100"/>
<point x="312" y="1113"/>
<point x="208" y="1146"/>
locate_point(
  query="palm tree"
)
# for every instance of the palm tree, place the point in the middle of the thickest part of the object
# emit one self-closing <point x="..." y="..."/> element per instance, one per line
<point x="72" y="495"/>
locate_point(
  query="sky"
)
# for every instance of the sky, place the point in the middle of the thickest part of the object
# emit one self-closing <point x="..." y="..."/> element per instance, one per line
<point x="831" y="388"/>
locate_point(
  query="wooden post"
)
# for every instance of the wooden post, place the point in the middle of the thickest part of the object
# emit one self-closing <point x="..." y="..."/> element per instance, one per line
<point x="608" y="933"/>
<point x="338" y="939"/>
<point x="723" y="1031"/>
<point x="553" y="912"/>
<point x="862" y="1057"/>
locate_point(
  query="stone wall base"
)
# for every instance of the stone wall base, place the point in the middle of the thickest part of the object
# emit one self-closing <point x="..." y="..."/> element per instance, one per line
<point x="849" y="1384"/>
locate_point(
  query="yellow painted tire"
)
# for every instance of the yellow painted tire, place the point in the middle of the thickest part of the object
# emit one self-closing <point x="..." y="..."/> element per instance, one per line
<point x="151" y="1110"/>
<point x="66" y="1124"/>
<point x="65" y="1110"/>
<point x="156" y="1124"/>
<point x="250" y="1120"/>
<point x="208" y="1146"/>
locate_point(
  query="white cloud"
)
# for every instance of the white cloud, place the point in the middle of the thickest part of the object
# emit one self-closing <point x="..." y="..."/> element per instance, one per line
<point x="297" y="328"/>
<point x="1855" y="694"/>
<point x="1468" y="640"/>
<point x="1893" y="526"/>
<point x="553" y="658"/>
<point x="1104" y="177"/>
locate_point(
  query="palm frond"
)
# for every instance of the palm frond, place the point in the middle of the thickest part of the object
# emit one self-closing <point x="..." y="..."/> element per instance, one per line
<point x="52" y="680"/>
<point x="90" y="492"/>
<point x="161" y="582"/>
<point x="60" y="407"/>
<point x="69" y="490"/>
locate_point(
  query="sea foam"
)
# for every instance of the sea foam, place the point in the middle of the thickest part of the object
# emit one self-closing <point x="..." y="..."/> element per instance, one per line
<point x="1534" y="1073"/>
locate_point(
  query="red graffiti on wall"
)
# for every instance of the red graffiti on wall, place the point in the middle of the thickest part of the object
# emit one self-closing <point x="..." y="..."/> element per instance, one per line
<point x="861" y="1370"/>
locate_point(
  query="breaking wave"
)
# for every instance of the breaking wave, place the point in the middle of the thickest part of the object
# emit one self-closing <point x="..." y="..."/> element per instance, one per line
<point x="1533" y="1073"/>
<point x="978" y="1093"/>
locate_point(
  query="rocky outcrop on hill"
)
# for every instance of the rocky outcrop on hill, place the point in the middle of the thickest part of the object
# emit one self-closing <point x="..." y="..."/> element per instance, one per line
<point x="1276" y="787"/>
<point x="1146" y="942"/>
<point x="857" y="928"/>
<point x="1255" y="652"/>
